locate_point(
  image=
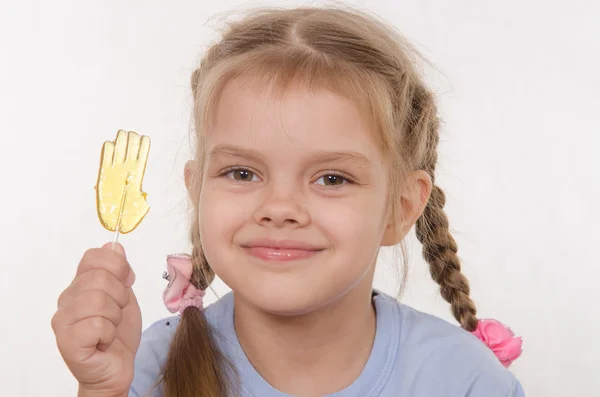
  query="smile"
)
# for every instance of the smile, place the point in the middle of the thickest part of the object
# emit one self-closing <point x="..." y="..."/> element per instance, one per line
<point x="280" y="251"/>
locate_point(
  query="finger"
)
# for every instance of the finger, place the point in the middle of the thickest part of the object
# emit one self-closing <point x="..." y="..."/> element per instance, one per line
<point x="133" y="146"/>
<point x="108" y="151"/>
<point x="120" y="146"/>
<point x="117" y="247"/>
<point x="130" y="321"/>
<point x="96" y="279"/>
<point x="112" y="261"/>
<point x="94" y="303"/>
<point x="80" y="341"/>
<point x="143" y="155"/>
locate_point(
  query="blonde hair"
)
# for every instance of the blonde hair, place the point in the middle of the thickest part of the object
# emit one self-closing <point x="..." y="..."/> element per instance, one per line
<point x="358" y="56"/>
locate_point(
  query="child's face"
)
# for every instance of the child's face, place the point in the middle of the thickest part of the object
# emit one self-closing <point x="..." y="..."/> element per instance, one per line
<point x="293" y="198"/>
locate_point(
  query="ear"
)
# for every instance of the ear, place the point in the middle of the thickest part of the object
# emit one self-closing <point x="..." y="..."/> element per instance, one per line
<point x="413" y="199"/>
<point x="190" y="174"/>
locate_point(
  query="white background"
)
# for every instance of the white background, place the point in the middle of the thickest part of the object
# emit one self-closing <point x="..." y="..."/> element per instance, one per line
<point x="518" y="84"/>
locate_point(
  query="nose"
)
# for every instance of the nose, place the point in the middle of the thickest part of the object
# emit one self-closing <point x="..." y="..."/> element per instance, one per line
<point x="282" y="208"/>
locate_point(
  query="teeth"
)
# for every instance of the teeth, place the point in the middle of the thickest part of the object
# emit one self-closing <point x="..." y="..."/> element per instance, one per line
<point x="179" y="256"/>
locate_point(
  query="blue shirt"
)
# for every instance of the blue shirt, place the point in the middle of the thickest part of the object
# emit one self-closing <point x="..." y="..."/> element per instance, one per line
<point x="414" y="355"/>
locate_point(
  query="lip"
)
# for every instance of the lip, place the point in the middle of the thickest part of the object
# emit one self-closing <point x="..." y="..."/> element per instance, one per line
<point x="281" y="250"/>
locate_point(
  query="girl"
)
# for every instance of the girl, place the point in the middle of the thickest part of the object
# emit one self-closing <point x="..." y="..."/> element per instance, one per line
<point x="316" y="145"/>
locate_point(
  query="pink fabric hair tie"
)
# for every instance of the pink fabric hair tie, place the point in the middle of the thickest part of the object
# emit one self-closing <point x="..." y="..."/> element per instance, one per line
<point x="500" y="339"/>
<point x="180" y="293"/>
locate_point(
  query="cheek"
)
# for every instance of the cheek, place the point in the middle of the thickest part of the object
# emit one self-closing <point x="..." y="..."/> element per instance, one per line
<point x="355" y="228"/>
<point x="352" y="220"/>
<point x="221" y="215"/>
<point x="218" y="213"/>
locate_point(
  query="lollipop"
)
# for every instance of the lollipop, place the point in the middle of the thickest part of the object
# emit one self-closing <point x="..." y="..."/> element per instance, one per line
<point x="120" y="201"/>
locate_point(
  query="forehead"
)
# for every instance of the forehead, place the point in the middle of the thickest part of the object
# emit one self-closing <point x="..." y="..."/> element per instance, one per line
<point x="253" y="115"/>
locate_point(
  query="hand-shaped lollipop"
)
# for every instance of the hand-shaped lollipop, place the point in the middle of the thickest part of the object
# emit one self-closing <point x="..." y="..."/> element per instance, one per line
<point x="120" y="201"/>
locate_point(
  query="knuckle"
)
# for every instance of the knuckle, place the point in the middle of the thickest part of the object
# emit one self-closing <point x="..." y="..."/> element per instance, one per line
<point x="59" y="322"/>
<point x="97" y="299"/>
<point x="99" y="324"/>
<point x="118" y="317"/>
<point x="89" y="258"/>
<point x="89" y="255"/>
<point x="100" y="279"/>
<point x="55" y="322"/>
<point x="61" y="298"/>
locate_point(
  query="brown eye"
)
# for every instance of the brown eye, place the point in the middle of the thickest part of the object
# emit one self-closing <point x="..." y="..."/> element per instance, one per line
<point x="242" y="175"/>
<point x="332" y="180"/>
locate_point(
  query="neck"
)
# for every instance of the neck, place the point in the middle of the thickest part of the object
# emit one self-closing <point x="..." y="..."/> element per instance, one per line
<point x="313" y="354"/>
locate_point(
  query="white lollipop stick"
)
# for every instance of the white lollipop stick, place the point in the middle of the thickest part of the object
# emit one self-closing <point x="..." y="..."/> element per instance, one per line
<point x="117" y="229"/>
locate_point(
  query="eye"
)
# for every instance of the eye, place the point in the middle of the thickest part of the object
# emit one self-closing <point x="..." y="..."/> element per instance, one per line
<point x="332" y="180"/>
<point x="242" y="175"/>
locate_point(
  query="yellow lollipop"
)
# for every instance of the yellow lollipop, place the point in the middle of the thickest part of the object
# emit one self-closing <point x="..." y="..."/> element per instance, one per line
<point x="120" y="201"/>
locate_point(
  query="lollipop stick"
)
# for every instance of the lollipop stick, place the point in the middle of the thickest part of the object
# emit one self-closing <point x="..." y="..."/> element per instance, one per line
<point x="121" y="208"/>
<point x="115" y="239"/>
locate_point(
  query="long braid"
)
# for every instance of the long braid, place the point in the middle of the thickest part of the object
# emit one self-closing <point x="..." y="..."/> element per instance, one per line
<point x="440" y="251"/>
<point x="195" y="365"/>
<point x="432" y="228"/>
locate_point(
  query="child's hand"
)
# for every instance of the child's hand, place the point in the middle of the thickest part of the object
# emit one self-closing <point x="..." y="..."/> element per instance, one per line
<point x="98" y="323"/>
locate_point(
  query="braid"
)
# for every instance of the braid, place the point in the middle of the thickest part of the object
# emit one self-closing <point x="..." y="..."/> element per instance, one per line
<point x="440" y="251"/>
<point x="202" y="275"/>
<point x="432" y="228"/>
<point x="194" y="349"/>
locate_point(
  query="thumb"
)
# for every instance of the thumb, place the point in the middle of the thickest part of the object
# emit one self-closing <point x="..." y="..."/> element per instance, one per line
<point x="117" y="248"/>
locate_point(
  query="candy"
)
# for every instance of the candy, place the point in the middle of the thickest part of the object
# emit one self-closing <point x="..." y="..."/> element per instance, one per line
<point x="120" y="201"/>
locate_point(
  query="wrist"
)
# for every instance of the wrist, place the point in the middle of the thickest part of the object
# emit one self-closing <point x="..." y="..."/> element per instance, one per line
<point x="83" y="392"/>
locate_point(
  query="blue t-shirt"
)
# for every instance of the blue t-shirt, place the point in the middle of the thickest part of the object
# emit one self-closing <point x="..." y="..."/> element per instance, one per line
<point x="414" y="355"/>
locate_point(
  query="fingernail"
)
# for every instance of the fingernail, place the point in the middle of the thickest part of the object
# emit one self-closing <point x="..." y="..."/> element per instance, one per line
<point x="115" y="247"/>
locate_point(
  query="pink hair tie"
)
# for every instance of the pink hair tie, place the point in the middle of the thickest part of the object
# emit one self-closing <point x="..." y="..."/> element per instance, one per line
<point x="500" y="339"/>
<point x="180" y="293"/>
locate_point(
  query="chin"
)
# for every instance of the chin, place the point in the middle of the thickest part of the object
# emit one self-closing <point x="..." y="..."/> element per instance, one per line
<point x="287" y="295"/>
<point x="286" y="305"/>
<point x="288" y="288"/>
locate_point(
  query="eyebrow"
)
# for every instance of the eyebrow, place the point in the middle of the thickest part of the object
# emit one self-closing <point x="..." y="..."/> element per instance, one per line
<point x="318" y="157"/>
<point x="337" y="157"/>
<point x="235" y="151"/>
